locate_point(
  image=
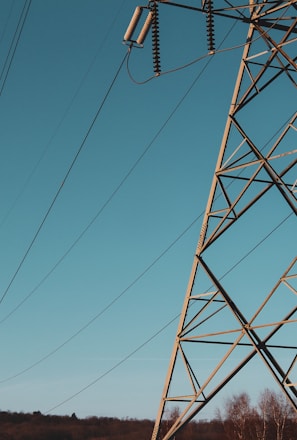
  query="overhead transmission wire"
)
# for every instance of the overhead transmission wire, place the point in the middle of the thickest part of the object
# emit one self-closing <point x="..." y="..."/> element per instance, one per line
<point x="90" y="224"/>
<point x="7" y="21"/>
<point x="107" y="202"/>
<point x="108" y="306"/>
<point x="85" y="230"/>
<point x="116" y="190"/>
<point x="158" y="332"/>
<point x="121" y="183"/>
<point x="64" y="180"/>
<point x="99" y="212"/>
<point x="138" y="278"/>
<point x="14" y="44"/>
<point x="168" y="323"/>
<point x="66" y="112"/>
<point x="118" y="297"/>
<point x="184" y="66"/>
<point x="113" y="194"/>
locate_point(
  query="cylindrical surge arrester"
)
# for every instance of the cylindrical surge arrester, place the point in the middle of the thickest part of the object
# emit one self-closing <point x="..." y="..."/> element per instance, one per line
<point x="145" y="29"/>
<point x="133" y="23"/>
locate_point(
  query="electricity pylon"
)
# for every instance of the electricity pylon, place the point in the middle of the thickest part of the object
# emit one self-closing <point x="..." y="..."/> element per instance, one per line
<point x="223" y="325"/>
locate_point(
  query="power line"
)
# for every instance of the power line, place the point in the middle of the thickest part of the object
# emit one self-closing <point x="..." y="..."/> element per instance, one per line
<point x="118" y="364"/>
<point x="64" y="180"/>
<point x="110" y="198"/>
<point x="7" y="21"/>
<point x="66" y="112"/>
<point x="89" y="385"/>
<point x="99" y="212"/>
<point x="89" y="225"/>
<point x="121" y="294"/>
<point x="14" y="44"/>
<point x="138" y="278"/>
<point x="116" y="190"/>
<point x="109" y="305"/>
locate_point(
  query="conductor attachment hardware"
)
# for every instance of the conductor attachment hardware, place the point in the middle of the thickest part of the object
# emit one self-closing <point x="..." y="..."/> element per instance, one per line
<point x="151" y="20"/>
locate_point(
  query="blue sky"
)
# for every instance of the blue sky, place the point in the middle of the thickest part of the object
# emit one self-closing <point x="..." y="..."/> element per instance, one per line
<point x="101" y="251"/>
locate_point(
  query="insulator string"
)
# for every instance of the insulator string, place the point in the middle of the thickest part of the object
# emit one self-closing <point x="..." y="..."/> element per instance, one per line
<point x="210" y="26"/>
<point x="155" y="39"/>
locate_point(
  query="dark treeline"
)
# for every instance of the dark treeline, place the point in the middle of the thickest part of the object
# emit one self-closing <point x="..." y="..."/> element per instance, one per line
<point x="20" y="426"/>
<point x="272" y="418"/>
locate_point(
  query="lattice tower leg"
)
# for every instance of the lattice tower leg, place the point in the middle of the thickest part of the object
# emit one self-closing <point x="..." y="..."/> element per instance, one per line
<point x="249" y="177"/>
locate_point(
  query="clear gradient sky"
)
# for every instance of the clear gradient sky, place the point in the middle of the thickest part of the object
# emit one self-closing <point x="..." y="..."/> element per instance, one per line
<point x="85" y="288"/>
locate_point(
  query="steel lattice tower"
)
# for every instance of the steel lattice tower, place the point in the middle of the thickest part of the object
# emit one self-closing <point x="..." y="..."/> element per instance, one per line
<point x="217" y="316"/>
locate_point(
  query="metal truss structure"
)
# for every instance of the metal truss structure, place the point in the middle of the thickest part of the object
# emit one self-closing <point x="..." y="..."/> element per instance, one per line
<point x="224" y="325"/>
